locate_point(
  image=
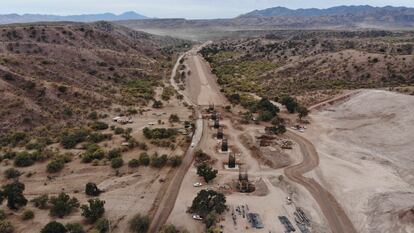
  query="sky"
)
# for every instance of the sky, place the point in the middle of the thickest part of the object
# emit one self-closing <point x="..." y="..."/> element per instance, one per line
<point x="191" y="9"/>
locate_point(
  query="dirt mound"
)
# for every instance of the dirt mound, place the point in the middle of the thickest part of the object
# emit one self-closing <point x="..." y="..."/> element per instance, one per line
<point x="388" y="211"/>
<point x="273" y="157"/>
<point x="407" y="216"/>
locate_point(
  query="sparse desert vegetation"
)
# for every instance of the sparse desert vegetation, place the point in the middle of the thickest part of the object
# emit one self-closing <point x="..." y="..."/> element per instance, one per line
<point x="264" y="129"/>
<point x="312" y="65"/>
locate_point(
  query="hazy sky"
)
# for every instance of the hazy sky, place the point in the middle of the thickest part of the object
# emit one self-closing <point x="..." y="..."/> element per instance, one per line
<point x="175" y="8"/>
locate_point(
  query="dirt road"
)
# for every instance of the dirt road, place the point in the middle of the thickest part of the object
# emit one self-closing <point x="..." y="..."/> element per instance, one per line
<point x="202" y="87"/>
<point x="167" y="203"/>
<point x="331" y="209"/>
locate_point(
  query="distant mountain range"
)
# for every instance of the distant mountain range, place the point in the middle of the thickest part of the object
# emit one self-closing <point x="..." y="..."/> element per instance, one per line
<point x="333" y="11"/>
<point x="281" y="18"/>
<point x="29" y="18"/>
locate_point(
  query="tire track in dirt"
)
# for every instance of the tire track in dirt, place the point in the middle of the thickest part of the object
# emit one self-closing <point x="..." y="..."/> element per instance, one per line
<point x="331" y="209"/>
<point x="163" y="210"/>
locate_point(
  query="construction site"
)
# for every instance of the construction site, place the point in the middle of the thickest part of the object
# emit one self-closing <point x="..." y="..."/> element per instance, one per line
<point x="260" y="173"/>
<point x="256" y="191"/>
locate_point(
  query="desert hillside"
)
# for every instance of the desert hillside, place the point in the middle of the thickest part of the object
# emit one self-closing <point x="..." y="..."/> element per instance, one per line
<point x="57" y="73"/>
<point x="313" y="64"/>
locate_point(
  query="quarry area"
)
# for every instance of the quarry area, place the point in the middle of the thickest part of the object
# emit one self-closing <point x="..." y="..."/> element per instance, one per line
<point x="365" y="145"/>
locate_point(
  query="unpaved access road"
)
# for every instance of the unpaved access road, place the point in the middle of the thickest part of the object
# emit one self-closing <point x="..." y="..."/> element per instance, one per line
<point x="170" y="196"/>
<point x="201" y="85"/>
<point x="202" y="89"/>
<point x="331" y="209"/>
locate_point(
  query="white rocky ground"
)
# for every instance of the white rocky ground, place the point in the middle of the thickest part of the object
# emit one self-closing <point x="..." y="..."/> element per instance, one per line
<point x="366" y="148"/>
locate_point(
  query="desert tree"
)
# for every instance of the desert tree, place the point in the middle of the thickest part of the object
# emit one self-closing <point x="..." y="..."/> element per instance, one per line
<point x="62" y="205"/>
<point x="54" y="227"/>
<point x="94" y="210"/>
<point x="207" y="172"/>
<point x="13" y="192"/>
<point x="139" y="224"/>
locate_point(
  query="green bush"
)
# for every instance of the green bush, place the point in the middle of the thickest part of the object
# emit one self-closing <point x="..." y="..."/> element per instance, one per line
<point x="65" y="158"/>
<point x="27" y="215"/>
<point x="62" y="205"/>
<point x="159" y="133"/>
<point x="39" y="143"/>
<point x="157" y="104"/>
<point x="55" y="165"/>
<point x="139" y="224"/>
<point x="174" y="118"/>
<point x="114" y="153"/>
<point x="9" y="155"/>
<point x="158" y="161"/>
<point x="93" y="115"/>
<point x="98" y="125"/>
<point x="42" y="155"/>
<point x="302" y="112"/>
<point x="13" y="192"/>
<point x="2" y="215"/>
<point x="119" y="130"/>
<point x="206" y="172"/>
<point x="75" y="228"/>
<point x="6" y="227"/>
<point x="54" y="227"/>
<point x="167" y="93"/>
<point x="170" y="229"/>
<point x="18" y="137"/>
<point x="102" y="225"/>
<point x="142" y="88"/>
<point x="290" y="103"/>
<point x="265" y="116"/>
<point x="132" y="111"/>
<point x="94" y="211"/>
<point x="133" y="163"/>
<point x="41" y="201"/>
<point x="98" y="137"/>
<point x="176" y="160"/>
<point x="12" y="173"/>
<point x="23" y="159"/>
<point x="93" y="152"/>
<point x="62" y="89"/>
<point x="208" y="201"/>
<point x="117" y="162"/>
<point x="70" y="139"/>
<point x="144" y="159"/>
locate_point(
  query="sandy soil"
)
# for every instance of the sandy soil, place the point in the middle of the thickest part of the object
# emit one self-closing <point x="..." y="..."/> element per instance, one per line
<point x="201" y="85"/>
<point x="366" y="146"/>
<point x="272" y="191"/>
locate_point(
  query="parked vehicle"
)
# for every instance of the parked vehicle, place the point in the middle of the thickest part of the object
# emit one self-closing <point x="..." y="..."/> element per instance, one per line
<point x="198" y="184"/>
<point x="197" y="217"/>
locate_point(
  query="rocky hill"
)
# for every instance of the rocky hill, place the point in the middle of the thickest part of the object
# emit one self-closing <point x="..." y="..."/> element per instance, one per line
<point x="279" y="18"/>
<point x="339" y="10"/>
<point x="55" y="74"/>
<point x="312" y="65"/>
<point x="341" y="16"/>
